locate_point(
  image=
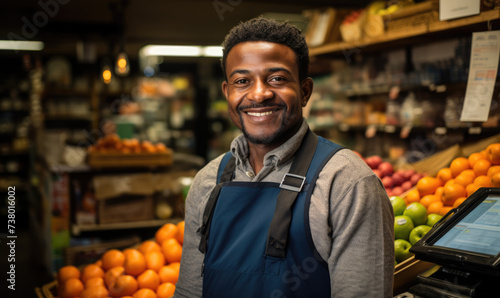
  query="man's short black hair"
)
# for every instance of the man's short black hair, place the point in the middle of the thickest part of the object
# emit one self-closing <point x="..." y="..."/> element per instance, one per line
<point x="261" y="29"/>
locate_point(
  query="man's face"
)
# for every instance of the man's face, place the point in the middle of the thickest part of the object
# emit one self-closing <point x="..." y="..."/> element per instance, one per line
<point x="263" y="91"/>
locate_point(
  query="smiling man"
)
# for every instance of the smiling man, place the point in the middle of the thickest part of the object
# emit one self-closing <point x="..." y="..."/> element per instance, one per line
<point x="284" y="213"/>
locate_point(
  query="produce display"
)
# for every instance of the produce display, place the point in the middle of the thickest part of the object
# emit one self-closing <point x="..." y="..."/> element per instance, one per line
<point x="149" y="270"/>
<point x="434" y="196"/>
<point x="112" y="143"/>
<point x="396" y="182"/>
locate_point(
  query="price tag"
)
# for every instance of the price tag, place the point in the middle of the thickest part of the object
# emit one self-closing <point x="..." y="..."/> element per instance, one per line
<point x="440" y="130"/>
<point x="475" y="130"/>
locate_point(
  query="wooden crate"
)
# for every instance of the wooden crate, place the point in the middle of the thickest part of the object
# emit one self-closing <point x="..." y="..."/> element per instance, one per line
<point x="406" y="272"/>
<point x="120" y="160"/>
<point x="413" y="15"/>
<point x="125" y="209"/>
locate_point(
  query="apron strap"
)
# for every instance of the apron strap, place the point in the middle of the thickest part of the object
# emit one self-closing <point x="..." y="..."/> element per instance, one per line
<point x="226" y="176"/>
<point x="291" y="185"/>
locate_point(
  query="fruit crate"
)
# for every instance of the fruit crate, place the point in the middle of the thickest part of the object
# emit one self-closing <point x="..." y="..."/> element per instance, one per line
<point x="121" y="160"/>
<point x="48" y="290"/>
<point x="413" y="15"/>
<point x="126" y="209"/>
<point x="406" y="272"/>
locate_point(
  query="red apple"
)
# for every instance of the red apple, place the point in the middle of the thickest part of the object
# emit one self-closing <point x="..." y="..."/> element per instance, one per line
<point x="398" y="178"/>
<point x="406" y="185"/>
<point x="387" y="181"/>
<point x="408" y="173"/>
<point x="386" y="168"/>
<point x="373" y="161"/>
<point x="397" y="191"/>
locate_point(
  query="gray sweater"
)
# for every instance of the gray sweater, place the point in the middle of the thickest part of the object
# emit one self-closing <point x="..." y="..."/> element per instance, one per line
<point x="351" y="219"/>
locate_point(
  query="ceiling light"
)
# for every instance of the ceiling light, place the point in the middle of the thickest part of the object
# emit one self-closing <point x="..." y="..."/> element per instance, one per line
<point x="181" y="51"/>
<point x="21" y="45"/>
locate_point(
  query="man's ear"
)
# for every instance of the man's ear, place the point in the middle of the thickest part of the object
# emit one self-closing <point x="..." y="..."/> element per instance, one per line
<point x="306" y="90"/>
<point x="224" y="89"/>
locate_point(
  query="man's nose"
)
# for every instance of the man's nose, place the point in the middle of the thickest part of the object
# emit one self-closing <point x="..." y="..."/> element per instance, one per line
<point x="260" y="91"/>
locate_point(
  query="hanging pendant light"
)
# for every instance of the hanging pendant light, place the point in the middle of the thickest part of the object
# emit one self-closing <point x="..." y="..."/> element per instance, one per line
<point x="122" y="65"/>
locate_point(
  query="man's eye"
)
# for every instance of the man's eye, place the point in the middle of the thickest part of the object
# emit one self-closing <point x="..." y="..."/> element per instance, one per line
<point x="241" y="81"/>
<point x="277" y="79"/>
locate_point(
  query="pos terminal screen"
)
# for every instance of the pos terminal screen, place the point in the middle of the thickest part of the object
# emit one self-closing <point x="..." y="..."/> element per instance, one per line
<point x="478" y="231"/>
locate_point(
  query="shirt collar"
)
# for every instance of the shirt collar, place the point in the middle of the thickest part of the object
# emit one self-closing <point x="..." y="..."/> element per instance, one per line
<point x="275" y="158"/>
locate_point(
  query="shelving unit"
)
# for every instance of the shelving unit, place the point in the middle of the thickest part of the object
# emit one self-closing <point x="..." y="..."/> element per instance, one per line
<point x="423" y="30"/>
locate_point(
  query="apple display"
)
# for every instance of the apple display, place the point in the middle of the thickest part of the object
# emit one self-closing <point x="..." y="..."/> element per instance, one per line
<point x="397" y="191"/>
<point x="402" y="250"/>
<point x="417" y="212"/>
<point x="432" y="219"/>
<point x="387" y="182"/>
<point x="418" y="232"/>
<point x="398" y="205"/>
<point x="373" y="161"/>
<point x="406" y="185"/>
<point x="415" y="177"/>
<point x="398" y="178"/>
<point x="402" y="227"/>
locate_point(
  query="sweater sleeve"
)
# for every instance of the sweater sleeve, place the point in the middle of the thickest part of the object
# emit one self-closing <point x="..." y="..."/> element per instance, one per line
<point x="190" y="280"/>
<point x="359" y="229"/>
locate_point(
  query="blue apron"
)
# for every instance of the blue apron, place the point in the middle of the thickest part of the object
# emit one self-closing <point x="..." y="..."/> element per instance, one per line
<point x="249" y="253"/>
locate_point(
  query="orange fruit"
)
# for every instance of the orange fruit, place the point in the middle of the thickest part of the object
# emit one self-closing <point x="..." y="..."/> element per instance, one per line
<point x="154" y="260"/>
<point x="427" y="185"/>
<point x="95" y="292"/>
<point x="67" y="272"/>
<point x="180" y="232"/>
<point x="483" y="181"/>
<point x="493" y="170"/>
<point x="145" y="293"/>
<point x="112" y="274"/>
<point x="167" y="231"/>
<point x="94" y="281"/>
<point x="493" y="152"/>
<point x="168" y="274"/>
<point x="71" y="287"/>
<point x="481" y="167"/>
<point x="147" y="246"/>
<point x="112" y="258"/>
<point x="123" y="285"/>
<point x="165" y="290"/>
<point x="148" y="279"/>
<point x="428" y="199"/>
<point x="458" y="165"/>
<point x="464" y="179"/>
<point x="445" y="210"/>
<point x="471" y="188"/>
<point x="459" y="201"/>
<point x="412" y="196"/>
<point x="435" y="207"/>
<point x="91" y="270"/>
<point x="439" y="191"/>
<point x="175" y="265"/>
<point x="495" y="180"/>
<point x="98" y="262"/>
<point x="172" y="250"/>
<point x="452" y="192"/>
<point x="474" y="157"/>
<point x="444" y="175"/>
<point x="135" y="263"/>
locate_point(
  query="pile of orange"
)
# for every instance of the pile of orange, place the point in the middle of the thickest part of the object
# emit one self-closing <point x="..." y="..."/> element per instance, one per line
<point x="454" y="184"/>
<point x="149" y="270"/>
<point x="111" y="143"/>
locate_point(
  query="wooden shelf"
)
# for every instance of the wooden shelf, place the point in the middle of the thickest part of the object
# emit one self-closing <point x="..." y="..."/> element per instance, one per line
<point x="416" y="31"/>
<point x="77" y="229"/>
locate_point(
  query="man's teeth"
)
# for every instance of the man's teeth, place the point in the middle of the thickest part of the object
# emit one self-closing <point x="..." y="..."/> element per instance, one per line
<point x="260" y="114"/>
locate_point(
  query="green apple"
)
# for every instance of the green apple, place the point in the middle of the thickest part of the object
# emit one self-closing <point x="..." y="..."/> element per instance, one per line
<point x="402" y="250"/>
<point x="398" y="205"/>
<point x="418" y="232"/>
<point x="417" y="212"/>
<point x="402" y="227"/>
<point x="432" y="219"/>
